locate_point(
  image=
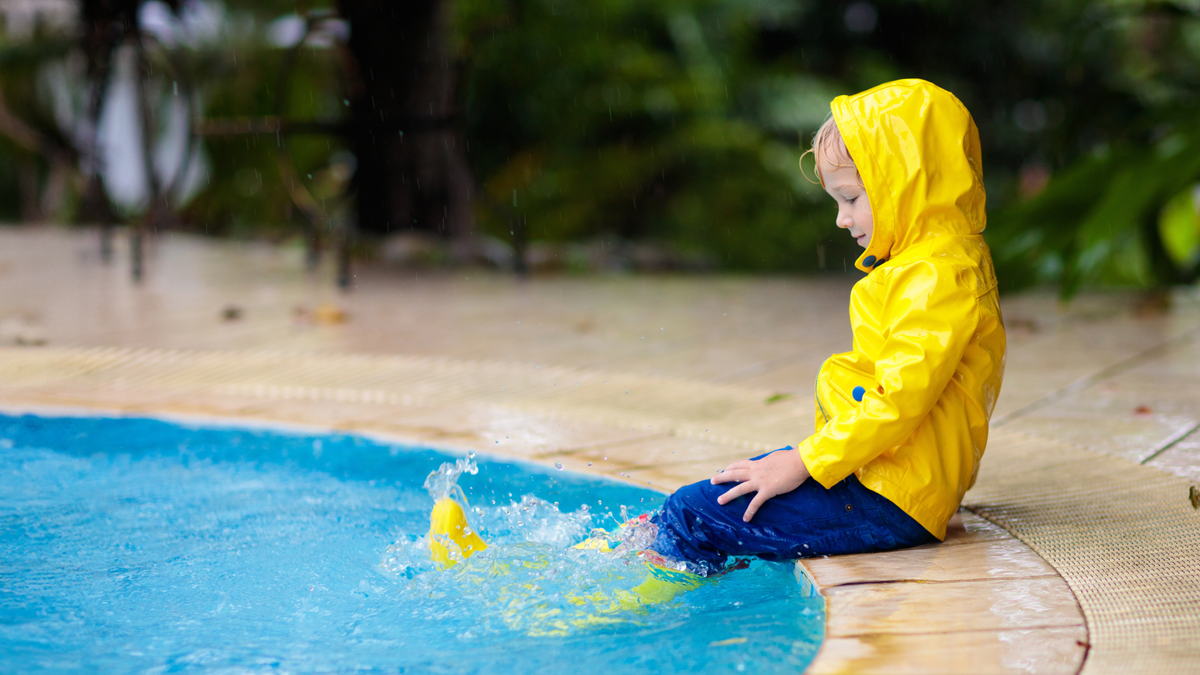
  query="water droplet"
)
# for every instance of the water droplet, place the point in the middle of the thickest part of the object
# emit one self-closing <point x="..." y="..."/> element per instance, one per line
<point x="558" y="465"/>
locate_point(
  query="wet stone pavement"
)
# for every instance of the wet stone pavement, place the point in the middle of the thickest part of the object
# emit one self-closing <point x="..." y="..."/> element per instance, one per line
<point x="657" y="380"/>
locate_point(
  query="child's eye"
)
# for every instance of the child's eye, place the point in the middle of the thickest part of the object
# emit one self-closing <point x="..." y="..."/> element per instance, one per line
<point x="851" y="201"/>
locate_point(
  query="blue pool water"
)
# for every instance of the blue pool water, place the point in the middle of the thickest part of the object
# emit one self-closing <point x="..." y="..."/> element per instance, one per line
<point x="135" y="545"/>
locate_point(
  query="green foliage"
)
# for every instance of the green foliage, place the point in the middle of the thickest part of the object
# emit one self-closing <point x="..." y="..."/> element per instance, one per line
<point x="240" y="76"/>
<point x="246" y="195"/>
<point x="1121" y="211"/>
<point x="1099" y="222"/>
<point x="641" y="120"/>
<point x="1179" y="227"/>
<point x="23" y="64"/>
<point x="234" y="72"/>
<point x="683" y="121"/>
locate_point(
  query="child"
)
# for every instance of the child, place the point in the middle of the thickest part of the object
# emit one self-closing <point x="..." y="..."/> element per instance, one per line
<point x="902" y="419"/>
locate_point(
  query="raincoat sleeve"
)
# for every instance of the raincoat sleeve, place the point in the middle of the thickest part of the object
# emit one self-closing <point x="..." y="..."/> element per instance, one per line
<point x="928" y="318"/>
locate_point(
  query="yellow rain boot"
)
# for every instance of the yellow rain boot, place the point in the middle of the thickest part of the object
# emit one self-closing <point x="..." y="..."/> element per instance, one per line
<point x="599" y="543"/>
<point x="663" y="584"/>
<point x="448" y="522"/>
<point x="660" y="586"/>
<point x="606" y="542"/>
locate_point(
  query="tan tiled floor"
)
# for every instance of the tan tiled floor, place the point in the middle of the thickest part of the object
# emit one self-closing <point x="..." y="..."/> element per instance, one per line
<point x="949" y="608"/>
<point x="716" y="367"/>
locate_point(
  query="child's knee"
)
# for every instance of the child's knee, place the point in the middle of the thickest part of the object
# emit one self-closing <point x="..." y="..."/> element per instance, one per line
<point x="697" y="501"/>
<point x="701" y="496"/>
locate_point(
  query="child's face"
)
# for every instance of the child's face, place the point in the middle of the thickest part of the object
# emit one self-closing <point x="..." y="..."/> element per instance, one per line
<point x="854" y="209"/>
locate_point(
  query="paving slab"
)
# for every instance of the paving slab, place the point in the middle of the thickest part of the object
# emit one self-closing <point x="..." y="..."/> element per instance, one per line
<point x="1054" y="651"/>
<point x="1182" y="459"/>
<point x="999" y="559"/>
<point x="909" y="607"/>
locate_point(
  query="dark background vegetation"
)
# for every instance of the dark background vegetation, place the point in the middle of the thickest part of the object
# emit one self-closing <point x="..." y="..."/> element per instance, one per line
<point x="616" y="134"/>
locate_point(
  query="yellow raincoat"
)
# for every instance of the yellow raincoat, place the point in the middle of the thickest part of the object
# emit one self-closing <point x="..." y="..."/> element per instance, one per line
<point x="907" y="410"/>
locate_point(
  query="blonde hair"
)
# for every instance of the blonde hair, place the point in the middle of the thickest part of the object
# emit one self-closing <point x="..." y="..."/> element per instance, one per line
<point x="827" y="144"/>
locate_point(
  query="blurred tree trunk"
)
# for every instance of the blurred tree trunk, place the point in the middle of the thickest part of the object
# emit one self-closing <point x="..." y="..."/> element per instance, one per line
<point x="31" y="203"/>
<point x="105" y="25"/>
<point x="412" y="171"/>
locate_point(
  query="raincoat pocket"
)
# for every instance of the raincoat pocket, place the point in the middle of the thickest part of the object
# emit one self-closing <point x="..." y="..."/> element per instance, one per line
<point x="840" y="387"/>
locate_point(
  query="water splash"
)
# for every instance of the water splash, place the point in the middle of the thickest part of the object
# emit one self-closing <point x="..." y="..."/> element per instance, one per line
<point x="534" y="582"/>
<point x="533" y="520"/>
<point x="443" y="482"/>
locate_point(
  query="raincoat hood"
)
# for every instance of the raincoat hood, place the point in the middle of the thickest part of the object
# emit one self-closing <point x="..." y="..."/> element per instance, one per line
<point x="918" y="152"/>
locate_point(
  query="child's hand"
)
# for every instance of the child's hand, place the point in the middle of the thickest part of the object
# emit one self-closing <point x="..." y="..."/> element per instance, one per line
<point x="776" y="474"/>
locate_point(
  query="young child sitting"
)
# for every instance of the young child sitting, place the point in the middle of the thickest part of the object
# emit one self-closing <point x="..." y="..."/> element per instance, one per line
<point x="902" y="418"/>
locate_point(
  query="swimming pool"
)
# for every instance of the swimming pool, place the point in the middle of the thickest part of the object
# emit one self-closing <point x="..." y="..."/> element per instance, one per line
<point x="133" y="545"/>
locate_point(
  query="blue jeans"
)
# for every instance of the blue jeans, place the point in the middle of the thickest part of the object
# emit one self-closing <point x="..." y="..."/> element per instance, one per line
<point x="808" y="521"/>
